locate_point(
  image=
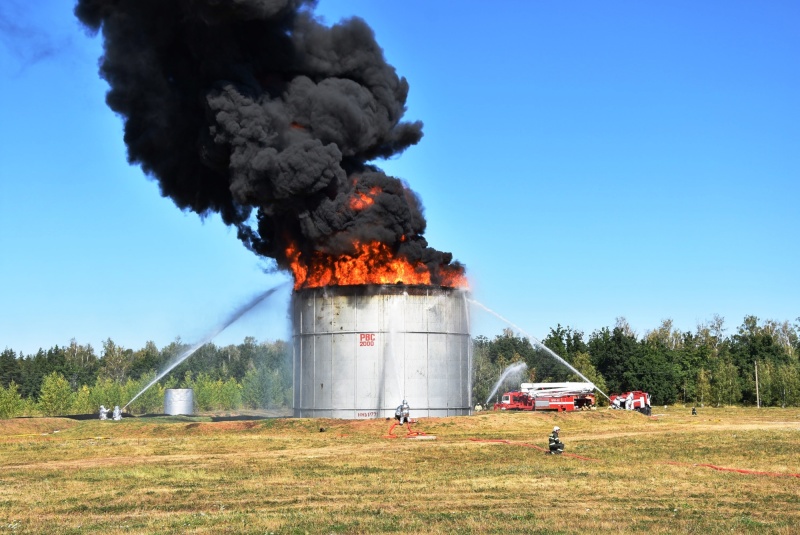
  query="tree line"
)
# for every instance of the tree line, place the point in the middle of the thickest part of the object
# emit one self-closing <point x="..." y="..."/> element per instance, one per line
<point x="74" y="380"/>
<point x="702" y="367"/>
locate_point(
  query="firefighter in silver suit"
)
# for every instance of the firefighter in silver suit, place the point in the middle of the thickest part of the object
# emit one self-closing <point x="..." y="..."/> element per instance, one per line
<point x="629" y="401"/>
<point x="401" y="415"/>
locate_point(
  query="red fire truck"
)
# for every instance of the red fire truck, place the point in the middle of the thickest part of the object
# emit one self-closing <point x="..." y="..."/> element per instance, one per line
<point x="634" y="400"/>
<point x="569" y="396"/>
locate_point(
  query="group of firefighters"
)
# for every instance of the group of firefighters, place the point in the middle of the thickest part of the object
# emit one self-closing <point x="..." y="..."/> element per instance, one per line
<point x="627" y="403"/>
<point x="116" y="414"/>
<point x="401" y="416"/>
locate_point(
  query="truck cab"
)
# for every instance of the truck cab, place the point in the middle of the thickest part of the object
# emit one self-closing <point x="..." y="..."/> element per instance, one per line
<point x="514" y="401"/>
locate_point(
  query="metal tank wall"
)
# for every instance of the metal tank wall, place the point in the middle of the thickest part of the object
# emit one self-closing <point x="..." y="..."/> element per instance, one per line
<point x="179" y="401"/>
<point x="360" y="350"/>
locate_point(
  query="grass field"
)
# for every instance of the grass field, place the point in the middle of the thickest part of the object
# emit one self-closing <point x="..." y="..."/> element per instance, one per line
<point x="725" y="470"/>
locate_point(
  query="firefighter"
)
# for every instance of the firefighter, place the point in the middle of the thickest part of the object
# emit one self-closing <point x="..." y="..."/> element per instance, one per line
<point x="103" y="412"/>
<point x="556" y="446"/>
<point x="401" y="415"/>
<point x="117" y="413"/>
<point x="629" y="401"/>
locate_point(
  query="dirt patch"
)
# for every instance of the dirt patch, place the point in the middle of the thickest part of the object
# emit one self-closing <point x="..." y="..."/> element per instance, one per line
<point x="34" y="426"/>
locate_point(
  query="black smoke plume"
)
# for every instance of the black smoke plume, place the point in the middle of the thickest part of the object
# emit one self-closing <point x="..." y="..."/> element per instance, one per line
<point x="256" y="110"/>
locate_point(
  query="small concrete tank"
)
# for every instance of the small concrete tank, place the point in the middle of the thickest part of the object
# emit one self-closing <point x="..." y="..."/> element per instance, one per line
<point x="360" y="350"/>
<point x="179" y="401"/>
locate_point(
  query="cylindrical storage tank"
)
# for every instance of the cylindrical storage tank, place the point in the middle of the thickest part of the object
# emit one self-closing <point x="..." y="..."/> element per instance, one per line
<point x="359" y="351"/>
<point x="179" y="401"/>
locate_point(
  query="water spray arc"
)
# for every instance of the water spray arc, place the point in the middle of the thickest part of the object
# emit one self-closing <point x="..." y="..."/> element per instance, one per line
<point x="221" y="327"/>
<point x="538" y="344"/>
<point x="510" y="371"/>
<point x="394" y="348"/>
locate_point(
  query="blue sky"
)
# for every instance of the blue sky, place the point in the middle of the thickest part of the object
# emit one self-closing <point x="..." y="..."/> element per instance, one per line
<point x="585" y="160"/>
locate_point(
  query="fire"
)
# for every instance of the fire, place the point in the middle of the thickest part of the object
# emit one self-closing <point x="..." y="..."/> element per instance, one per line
<point x="362" y="200"/>
<point x="373" y="263"/>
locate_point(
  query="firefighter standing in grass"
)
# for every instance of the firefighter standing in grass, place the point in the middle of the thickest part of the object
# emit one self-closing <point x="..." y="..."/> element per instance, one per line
<point x="556" y="446"/>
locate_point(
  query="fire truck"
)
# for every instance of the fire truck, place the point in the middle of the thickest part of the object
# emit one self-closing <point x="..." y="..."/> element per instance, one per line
<point x="635" y="400"/>
<point x="568" y="396"/>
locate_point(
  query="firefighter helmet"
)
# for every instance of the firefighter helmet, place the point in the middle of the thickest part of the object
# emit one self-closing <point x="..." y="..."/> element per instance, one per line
<point x="556" y="429"/>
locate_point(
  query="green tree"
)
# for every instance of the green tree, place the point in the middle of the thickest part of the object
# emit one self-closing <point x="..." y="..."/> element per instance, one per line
<point x="688" y="360"/>
<point x="106" y="392"/>
<point x="725" y="385"/>
<point x="81" y="401"/>
<point x="55" y="398"/>
<point x="582" y="362"/>
<point x="239" y="359"/>
<point x="787" y="385"/>
<point x="766" y="388"/>
<point x="230" y="394"/>
<point x="214" y="394"/>
<point x="276" y="357"/>
<point x="666" y="335"/>
<point x="485" y="372"/>
<point x="201" y="389"/>
<point x="754" y="342"/>
<point x="80" y="364"/>
<point x="264" y="388"/>
<point x="145" y="361"/>
<point x="614" y="356"/>
<point x="33" y="370"/>
<point x="150" y="401"/>
<point x="254" y="390"/>
<point x="11" y="402"/>
<point x="116" y="362"/>
<point x="651" y="369"/>
<point x="703" y="390"/>
<point x="567" y="344"/>
<point x="10" y="371"/>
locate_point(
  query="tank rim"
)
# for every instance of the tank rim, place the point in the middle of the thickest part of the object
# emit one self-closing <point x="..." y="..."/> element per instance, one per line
<point x="378" y="288"/>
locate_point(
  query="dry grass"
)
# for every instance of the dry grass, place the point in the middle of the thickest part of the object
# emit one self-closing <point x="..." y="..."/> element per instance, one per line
<point x="631" y="474"/>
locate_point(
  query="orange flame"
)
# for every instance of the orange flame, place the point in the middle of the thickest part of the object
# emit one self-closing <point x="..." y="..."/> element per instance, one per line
<point x="362" y="200"/>
<point x="373" y="263"/>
